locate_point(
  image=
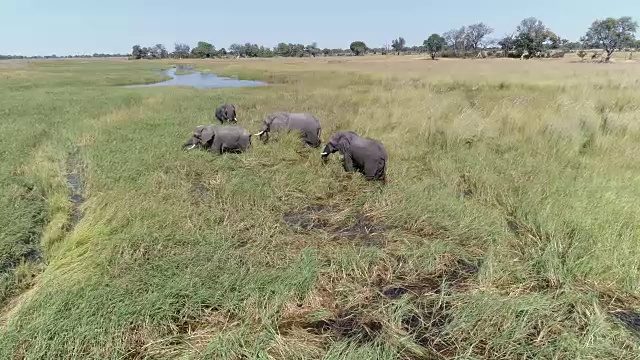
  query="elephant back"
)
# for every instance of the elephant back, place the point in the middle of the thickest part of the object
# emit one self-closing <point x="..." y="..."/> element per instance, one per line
<point x="303" y="121"/>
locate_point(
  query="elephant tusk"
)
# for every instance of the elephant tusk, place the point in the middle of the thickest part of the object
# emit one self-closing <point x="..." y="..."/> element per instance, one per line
<point x="260" y="133"/>
<point x="324" y="153"/>
<point x="191" y="147"/>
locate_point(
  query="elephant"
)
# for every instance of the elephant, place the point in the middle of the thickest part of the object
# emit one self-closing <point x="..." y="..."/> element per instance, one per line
<point x="307" y="124"/>
<point x="226" y="112"/>
<point x="365" y="155"/>
<point x="219" y="138"/>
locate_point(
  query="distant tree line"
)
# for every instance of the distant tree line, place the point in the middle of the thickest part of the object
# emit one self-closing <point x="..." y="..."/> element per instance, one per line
<point x="204" y="50"/>
<point x="531" y="39"/>
<point x="54" y="56"/>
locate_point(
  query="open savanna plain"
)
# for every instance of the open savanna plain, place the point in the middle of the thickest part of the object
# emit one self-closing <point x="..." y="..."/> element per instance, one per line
<point x="508" y="229"/>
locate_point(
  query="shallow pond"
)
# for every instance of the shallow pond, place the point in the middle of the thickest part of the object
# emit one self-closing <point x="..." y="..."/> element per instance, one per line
<point x="200" y="80"/>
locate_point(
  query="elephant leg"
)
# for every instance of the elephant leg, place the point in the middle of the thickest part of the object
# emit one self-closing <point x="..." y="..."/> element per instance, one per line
<point x="245" y="145"/>
<point x="228" y="147"/>
<point x="347" y="163"/>
<point x="217" y="145"/>
<point x="375" y="170"/>
<point x="312" y="139"/>
<point x="233" y="147"/>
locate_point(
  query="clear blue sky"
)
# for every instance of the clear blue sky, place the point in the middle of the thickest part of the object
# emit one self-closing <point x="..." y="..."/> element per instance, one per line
<point x="44" y="27"/>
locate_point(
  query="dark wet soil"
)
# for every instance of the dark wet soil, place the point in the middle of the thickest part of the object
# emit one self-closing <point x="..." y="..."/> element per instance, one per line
<point x="427" y="292"/>
<point x="453" y="278"/>
<point x="322" y="217"/>
<point x="629" y="318"/>
<point x="348" y="324"/>
<point x="75" y="181"/>
<point x="427" y="321"/>
<point x="32" y="256"/>
<point x="428" y="326"/>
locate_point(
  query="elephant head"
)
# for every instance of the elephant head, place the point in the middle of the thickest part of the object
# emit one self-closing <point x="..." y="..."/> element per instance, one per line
<point x="230" y="113"/>
<point x="226" y="112"/>
<point x="364" y="155"/>
<point x="268" y="123"/>
<point x="202" y="136"/>
<point x="339" y="141"/>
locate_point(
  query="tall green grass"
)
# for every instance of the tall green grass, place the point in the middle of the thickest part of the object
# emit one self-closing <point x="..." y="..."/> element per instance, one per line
<point x="508" y="228"/>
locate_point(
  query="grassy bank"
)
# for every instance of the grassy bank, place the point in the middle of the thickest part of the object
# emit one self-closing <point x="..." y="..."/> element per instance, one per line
<point x="508" y="228"/>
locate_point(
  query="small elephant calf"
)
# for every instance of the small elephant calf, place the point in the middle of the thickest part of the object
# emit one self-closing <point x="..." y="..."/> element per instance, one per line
<point x="365" y="155"/>
<point x="219" y="138"/>
<point x="226" y="112"/>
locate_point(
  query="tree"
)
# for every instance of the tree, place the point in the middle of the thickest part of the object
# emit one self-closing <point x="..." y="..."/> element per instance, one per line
<point x="297" y="50"/>
<point x="136" y="52"/>
<point x="611" y="34"/>
<point x="235" y="49"/>
<point x="251" y="50"/>
<point x="358" y="48"/>
<point x="532" y="35"/>
<point x="507" y="44"/>
<point x="434" y="44"/>
<point x="312" y="49"/>
<point x="386" y="48"/>
<point x="144" y="52"/>
<point x="159" y="51"/>
<point x="203" y="50"/>
<point x="398" y="44"/>
<point x="475" y="33"/>
<point x="456" y="39"/>
<point x="282" y="49"/>
<point x="181" y="50"/>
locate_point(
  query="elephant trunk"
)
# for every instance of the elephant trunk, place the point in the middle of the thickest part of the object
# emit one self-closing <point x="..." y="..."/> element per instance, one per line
<point x="190" y="144"/>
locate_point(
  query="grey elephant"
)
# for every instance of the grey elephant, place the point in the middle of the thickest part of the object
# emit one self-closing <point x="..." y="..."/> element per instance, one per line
<point x="365" y="155"/>
<point x="219" y="138"/>
<point x="226" y="112"/>
<point x="307" y="124"/>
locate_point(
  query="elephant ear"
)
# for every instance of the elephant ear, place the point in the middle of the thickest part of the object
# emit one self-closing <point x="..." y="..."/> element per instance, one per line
<point x="206" y="135"/>
<point x="266" y="124"/>
<point x="269" y="120"/>
<point x="343" y="143"/>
